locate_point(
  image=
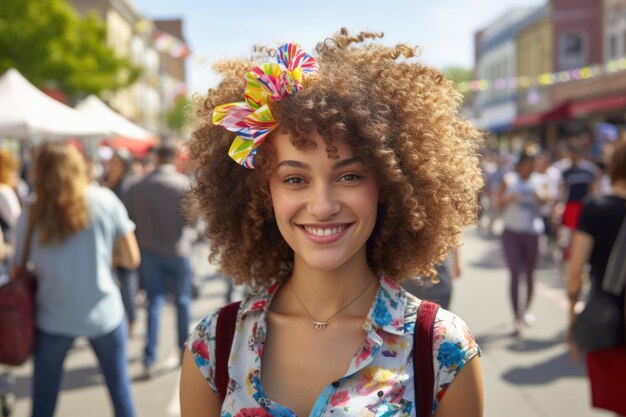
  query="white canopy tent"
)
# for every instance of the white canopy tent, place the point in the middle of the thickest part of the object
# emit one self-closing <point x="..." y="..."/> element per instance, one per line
<point x="95" y="108"/>
<point x="28" y="113"/>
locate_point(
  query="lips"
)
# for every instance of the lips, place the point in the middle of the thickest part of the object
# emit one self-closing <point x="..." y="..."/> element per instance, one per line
<point x="325" y="233"/>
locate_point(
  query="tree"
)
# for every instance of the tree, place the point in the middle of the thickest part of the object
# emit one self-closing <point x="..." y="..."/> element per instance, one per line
<point x="459" y="75"/>
<point x="176" y="117"/>
<point x="53" y="46"/>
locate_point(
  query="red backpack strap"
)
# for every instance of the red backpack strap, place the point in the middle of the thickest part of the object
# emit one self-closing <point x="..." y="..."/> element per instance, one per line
<point x="226" y="320"/>
<point x="424" y="377"/>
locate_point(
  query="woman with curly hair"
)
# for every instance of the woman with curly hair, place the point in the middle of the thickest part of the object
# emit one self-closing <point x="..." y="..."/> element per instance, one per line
<point x="76" y="231"/>
<point x="348" y="173"/>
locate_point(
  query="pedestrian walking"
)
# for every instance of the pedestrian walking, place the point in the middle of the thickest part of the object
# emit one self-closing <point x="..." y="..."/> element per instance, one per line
<point x="578" y="180"/>
<point x="593" y="241"/>
<point x="155" y="204"/>
<point x="367" y="178"/>
<point x="522" y="195"/>
<point x="78" y="231"/>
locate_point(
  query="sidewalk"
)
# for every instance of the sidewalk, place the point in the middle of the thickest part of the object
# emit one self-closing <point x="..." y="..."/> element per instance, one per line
<point x="530" y="376"/>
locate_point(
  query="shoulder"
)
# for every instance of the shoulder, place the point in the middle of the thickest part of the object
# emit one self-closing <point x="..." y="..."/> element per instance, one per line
<point x="207" y="327"/>
<point x="201" y="344"/>
<point x="449" y="328"/>
<point x="453" y="345"/>
<point x="101" y="196"/>
<point x="203" y="334"/>
<point x="203" y="338"/>
<point x="593" y="203"/>
<point x="453" y="342"/>
<point x="98" y="192"/>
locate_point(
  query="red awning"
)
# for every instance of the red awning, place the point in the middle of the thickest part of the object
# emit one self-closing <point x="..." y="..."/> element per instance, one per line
<point x="571" y="109"/>
<point x="598" y="105"/>
<point x="138" y="148"/>
<point x="559" y="112"/>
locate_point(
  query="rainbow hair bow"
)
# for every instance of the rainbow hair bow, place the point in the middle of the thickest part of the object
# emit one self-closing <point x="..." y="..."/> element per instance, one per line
<point x="251" y="119"/>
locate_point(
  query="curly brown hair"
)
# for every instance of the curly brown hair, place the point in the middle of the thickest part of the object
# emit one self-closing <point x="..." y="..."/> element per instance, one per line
<point x="401" y="119"/>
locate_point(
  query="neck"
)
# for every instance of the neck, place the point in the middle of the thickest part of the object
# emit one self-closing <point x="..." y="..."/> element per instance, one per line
<point x="324" y="292"/>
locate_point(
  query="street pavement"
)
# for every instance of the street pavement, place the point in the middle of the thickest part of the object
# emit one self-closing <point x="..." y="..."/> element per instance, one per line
<point x="527" y="376"/>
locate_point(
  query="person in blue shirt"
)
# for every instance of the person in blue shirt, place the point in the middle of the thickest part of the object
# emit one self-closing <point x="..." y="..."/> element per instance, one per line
<point x="79" y="231"/>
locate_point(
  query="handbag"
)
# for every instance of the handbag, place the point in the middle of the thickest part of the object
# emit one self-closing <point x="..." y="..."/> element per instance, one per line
<point x="17" y="311"/>
<point x="606" y="371"/>
<point x="602" y="324"/>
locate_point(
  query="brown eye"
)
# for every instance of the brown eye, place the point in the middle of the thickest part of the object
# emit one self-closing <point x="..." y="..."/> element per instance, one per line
<point x="351" y="177"/>
<point x="293" y="180"/>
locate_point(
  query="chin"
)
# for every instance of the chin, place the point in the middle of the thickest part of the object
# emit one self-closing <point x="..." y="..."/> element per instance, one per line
<point x="325" y="263"/>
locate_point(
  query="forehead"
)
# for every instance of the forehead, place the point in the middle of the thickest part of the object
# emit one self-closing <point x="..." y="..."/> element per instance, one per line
<point x="313" y="147"/>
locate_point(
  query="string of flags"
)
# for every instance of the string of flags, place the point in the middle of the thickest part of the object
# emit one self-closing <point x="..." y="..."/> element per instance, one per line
<point x="545" y="79"/>
<point x="163" y="41"/>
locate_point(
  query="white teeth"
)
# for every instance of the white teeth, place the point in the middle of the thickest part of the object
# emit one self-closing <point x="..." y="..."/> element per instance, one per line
<point x="324" y="232"/>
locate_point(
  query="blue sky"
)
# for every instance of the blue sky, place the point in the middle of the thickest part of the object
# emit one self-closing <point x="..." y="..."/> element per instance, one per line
<point x="221" y="29"/>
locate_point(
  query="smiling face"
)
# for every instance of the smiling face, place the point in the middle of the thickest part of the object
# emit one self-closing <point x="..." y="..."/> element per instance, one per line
<point x="325" y="208"/>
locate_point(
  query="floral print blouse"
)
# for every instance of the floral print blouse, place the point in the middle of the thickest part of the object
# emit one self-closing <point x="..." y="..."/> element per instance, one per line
<point x="379" y="381"/>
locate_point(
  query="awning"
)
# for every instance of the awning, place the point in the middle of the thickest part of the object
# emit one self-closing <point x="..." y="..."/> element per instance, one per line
<point x="138" y="148"/>
<point x="558" y="112"/>
<point x="571" y="109"/>
<point x="28" y="113"/>
<point x="598" y="105"/>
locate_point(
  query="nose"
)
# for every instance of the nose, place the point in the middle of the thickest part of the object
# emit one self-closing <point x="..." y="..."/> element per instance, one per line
<point x="323" y="202"/>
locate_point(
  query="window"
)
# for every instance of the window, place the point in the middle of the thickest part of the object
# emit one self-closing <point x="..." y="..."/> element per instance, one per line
<point x="613" y="47"/>
<point x="572" y="51"/>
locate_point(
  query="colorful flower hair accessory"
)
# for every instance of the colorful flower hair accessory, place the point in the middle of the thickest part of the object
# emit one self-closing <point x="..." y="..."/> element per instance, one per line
<point x="251" y="119"/>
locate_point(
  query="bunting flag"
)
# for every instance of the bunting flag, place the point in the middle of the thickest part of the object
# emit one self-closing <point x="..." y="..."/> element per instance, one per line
<point x="169" y="44"/>
<point x="545" y="79"/>
<point x="163" y="41"/>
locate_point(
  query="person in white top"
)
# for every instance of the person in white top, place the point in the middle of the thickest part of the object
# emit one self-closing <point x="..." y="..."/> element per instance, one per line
<point x="522" y="195"/>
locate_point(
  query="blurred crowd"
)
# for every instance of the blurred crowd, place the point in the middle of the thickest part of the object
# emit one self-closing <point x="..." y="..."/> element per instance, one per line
<point x="533" y="199"/>
<point x="70" y="220"/>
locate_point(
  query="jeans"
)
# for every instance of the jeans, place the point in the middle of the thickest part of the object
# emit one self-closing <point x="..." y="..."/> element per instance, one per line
<point x="50" y="352"/>
<point x="155" y="271"/>
<point x="128" y="280"/>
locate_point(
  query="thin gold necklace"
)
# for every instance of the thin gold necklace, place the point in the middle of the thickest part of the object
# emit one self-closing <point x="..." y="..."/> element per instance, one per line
<point x="321" y="325"/>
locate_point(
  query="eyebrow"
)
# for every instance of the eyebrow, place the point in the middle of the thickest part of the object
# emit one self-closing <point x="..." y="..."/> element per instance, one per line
<point x="302" y="165"/>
